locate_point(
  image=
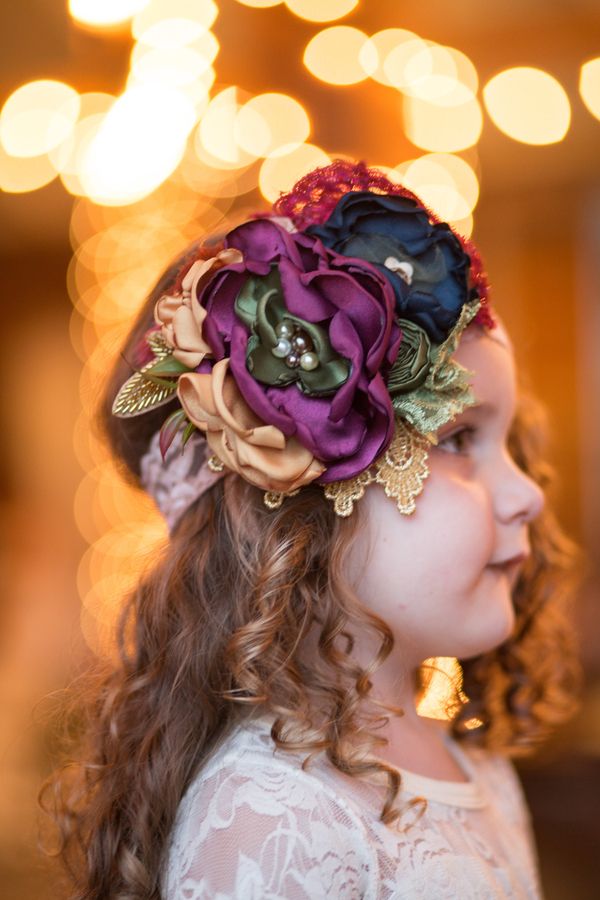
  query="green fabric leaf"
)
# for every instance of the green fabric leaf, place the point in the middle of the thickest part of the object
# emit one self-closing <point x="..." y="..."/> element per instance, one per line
<point x="265" y="367"/>
<point x="267" y="317"/>
<point x="413" y="361"/>
<point x="190" y="428"/>
<point x="328" y="377"/>
<point x="446" y="391"/>
<point x="246" y="303"/>
<point x="428" y="410"/>
<point x="444" y="351"/>
<point x="168" y="385"/>
<point x="168" y="366"/>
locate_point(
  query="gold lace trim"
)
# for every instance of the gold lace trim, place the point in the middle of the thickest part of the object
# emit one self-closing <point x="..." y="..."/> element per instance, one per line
<point x="401" y="469"/>
<point x="274" y="499"/>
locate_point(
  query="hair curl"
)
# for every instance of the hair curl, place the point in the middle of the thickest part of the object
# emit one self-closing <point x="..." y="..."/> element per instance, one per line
<point x="216" y="628"/>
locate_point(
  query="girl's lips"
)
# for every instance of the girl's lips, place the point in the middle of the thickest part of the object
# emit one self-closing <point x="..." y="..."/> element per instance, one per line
<point x="510" y="567"/>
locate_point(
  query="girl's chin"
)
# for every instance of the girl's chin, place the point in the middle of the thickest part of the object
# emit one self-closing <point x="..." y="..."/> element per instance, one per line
<point x="493" y="632"/>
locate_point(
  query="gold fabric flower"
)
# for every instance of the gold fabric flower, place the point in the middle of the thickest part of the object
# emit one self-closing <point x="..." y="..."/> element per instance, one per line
<point x="260" y="453"/>
<point x="181" y="316"/>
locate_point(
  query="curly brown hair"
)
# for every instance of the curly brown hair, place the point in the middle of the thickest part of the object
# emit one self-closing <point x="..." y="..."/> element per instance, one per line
<point x="215" y="630"/>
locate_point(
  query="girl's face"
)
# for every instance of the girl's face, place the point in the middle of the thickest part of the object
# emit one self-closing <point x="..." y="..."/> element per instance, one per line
<point x="440" y="577"/>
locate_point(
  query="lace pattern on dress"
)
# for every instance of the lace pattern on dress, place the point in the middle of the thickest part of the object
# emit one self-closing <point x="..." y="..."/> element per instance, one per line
<point x="254" y="825"/>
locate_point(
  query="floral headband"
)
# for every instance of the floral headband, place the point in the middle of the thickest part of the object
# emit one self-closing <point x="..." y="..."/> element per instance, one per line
<point x="315" y="344"/>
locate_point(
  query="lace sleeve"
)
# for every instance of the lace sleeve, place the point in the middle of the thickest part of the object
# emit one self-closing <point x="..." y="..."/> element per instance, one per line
<point x="270" y="832"/>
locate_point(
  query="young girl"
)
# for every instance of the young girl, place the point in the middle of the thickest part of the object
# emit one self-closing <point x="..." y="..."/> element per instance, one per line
<point x="324" y="407"/>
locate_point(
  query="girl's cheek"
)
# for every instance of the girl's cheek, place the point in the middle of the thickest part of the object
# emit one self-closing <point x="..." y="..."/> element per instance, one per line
<point x="467" y="510"/>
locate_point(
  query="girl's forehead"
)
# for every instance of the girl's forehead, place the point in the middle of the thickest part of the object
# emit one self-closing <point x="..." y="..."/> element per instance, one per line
<point x="489" y="356"/>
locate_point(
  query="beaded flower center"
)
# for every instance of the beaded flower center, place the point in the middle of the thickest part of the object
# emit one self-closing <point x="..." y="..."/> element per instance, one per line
<point x="295" y="346"/>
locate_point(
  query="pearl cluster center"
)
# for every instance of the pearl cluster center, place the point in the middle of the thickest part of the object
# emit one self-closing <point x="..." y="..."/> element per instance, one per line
<point x="295" y="346"/>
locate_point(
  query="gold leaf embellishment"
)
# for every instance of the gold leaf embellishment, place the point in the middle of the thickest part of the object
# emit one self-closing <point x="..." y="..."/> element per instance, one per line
<point x="401" y="469"/>
<point x="139" y="394"/>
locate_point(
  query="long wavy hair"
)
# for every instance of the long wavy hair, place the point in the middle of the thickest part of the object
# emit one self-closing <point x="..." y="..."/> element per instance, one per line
<point x="216" y="629"/>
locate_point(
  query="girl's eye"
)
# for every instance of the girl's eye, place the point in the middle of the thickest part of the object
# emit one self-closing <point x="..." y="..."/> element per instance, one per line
<point x="459" y="441"/>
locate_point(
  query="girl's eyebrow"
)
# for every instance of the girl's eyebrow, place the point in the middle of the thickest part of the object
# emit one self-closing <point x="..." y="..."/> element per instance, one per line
<point x="485" y="408"/>
<point x="482" y="410"/>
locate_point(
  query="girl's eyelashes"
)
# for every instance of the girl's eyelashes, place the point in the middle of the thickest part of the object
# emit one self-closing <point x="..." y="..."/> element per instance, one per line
<point x="459" y="441"/>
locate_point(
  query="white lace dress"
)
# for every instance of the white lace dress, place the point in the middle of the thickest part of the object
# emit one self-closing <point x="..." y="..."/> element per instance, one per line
<point x="253" y="825"/>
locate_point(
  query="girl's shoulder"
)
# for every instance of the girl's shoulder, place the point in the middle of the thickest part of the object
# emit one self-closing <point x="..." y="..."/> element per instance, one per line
<point x="267" y="828"/>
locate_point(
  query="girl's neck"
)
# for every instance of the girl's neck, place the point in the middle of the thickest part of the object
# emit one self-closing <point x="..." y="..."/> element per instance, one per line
<point x="416" y="743"/>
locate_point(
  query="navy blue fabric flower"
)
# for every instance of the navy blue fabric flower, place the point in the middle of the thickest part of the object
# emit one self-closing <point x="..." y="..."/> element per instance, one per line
<point x="425" y="262"/>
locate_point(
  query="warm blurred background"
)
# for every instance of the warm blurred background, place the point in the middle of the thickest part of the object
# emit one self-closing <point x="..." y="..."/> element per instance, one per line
<point x="129" y="127"/>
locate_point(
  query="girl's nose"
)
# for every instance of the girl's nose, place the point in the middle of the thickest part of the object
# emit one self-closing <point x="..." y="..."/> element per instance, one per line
<point x="518" y="496"/>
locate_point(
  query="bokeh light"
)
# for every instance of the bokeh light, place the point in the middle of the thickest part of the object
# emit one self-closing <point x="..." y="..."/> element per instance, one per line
<point x="206" y="47"/>
<point x="444" y="671"/>
<point x="589" y="85"/>
<point x="128" y="539"/>
<point x="196" y="92"/>
<point x="37" y="117"/>
<point x="428" y="71"/>
<point x="319" y="11"/>
<point x="432" y="73"/>
<point x="529" y="105"/>
<point x="341" y="55"/>
<point x="103" y="602"/>
<point x="215" y="139"/>
<point x="130" y="156"/>
<point x="443" y="128"/>
<point x="444" y="182"/>
<point x="279" y="173"/>
<point x="67" y="158"/>
<point x="268" y="122"/>
<point x="171" y="68"/>
<point x="260" y="4"/>
<point x="397" y="58"/>
<point x="465" y="69"/>
<point x="210" y="179"/>
<point x="386" y="42"/>
<point x="169" y="24"/>
<point x="464" y="226"/>
<point x="19" y="175"/>
<point x="105" y="12"/>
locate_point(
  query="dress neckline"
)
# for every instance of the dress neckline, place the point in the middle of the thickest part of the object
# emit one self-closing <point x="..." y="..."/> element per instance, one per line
<point x="467" y="794"/>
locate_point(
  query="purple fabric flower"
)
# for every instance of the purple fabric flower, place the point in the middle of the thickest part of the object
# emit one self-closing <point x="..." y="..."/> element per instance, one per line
<point x="350" y="298"/>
